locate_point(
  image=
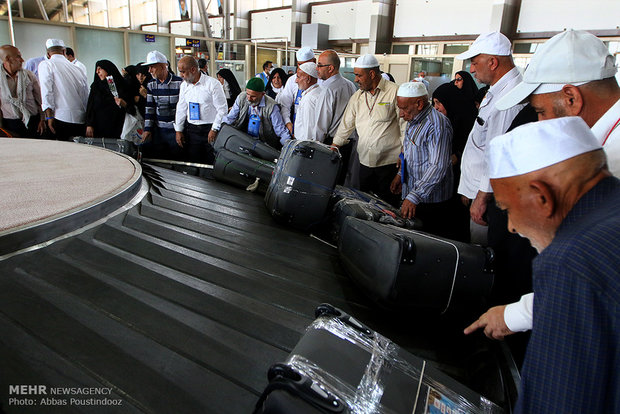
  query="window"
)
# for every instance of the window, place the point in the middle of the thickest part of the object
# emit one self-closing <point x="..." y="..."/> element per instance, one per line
<point x="400" y="49"/>
<point x="455" y="48"/>
<point x="526" y="47"/>
<point x="427" y="49"/>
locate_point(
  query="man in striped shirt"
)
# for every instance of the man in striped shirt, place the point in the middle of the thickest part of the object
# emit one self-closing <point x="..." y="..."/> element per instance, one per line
<point x="161" y="103"/>
<point x="425" y="175"/>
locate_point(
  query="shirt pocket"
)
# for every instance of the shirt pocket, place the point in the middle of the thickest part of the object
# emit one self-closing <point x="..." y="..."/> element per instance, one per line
<point x="383" y="111"/>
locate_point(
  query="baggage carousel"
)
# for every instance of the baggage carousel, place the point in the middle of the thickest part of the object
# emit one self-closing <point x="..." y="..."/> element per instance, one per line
<point x="136" y="288"/>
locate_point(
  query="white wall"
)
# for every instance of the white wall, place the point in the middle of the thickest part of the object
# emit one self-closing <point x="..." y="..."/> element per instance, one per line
<point x="270" y="24"/>
<point x="416" y="18"/>
<point x="30" y="37"/>
<point x="345" y="20"/>
<point x="557" y="15"/>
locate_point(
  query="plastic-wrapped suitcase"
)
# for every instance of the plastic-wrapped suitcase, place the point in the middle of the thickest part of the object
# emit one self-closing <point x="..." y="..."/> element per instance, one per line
<point x="302" y="184"/>
<point x="253" y="174"/>
<point x="399" y="267"/>
<point x="241" y="143"/>
<point x="342" y="366"/>
<point x="114" y="144"/>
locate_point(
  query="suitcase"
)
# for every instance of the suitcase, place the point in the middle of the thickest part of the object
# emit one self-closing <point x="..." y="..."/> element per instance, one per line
<point x="114" y="144"/>
<point x="241" y="143"/>
<point x="302" y="184"/>
<point x="399" y="267"/>
<point x="243" y="170"/>
<point x="341" y="366"/>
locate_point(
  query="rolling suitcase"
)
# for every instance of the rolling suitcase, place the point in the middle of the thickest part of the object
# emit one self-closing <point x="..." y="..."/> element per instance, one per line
<point x="302" y="184"/>
<point x="341" y="366"/>
<point x="114" y="144"/>
<point x="241" y="143"/>
<point x="242" y="170"/>
<point x="399" y="267"/>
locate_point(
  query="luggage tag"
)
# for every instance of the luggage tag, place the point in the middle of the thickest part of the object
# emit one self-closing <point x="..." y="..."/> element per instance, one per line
<point x="254" y="124"/>
<point x="194" y="111"/>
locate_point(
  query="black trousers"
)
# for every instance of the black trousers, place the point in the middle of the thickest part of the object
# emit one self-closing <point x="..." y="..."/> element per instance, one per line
<point x="17" y="126"/>
<point x="65" y="131"/>
<point x="377" y="180"/>
<point x="197" y="147"/>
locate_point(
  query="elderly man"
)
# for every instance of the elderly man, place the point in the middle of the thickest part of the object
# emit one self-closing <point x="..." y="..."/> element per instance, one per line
<point x="551" y="179"/>
<point x="161" y="103"/>
<point x="201" y="107"/>
<point x="373" y="113"/>
<point x="337" y="91"/>
<point x="258" y="115"/>
<point x="20" y="96"/>
<point x="426" y="171"/>
<point x="290" y="96"/>
<point x="306" y="119"/>
<point x="571" y="74"/>
<point x="64" y="93"/>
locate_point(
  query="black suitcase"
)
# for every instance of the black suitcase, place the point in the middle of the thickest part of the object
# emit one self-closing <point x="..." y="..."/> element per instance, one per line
<point x="341" y="366"/>
<point x="114" y="144"/>
<point x="243" y="170"/>
<point x="399" y="267"/>
<point x="302" y="184"/>
<point x="241" y="143"/>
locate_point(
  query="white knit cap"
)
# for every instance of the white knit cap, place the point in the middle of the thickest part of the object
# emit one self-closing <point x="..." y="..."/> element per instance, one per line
<point x="492" y="43"/>
<point x="155" y="57"/>
<point x="573" y="57"/>
<point x="412" y="90"/>
<point x="538" y="145"/>
<point x="310" y="69"/>
<point x="366" y="62"/>
<point x="54" y="43"/>
<point x="305" y="54"/>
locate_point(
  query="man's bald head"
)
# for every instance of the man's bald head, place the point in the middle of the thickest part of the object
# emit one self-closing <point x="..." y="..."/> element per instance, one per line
<point x="188" y="69"/>
<point x="328" y="64"/>
<point x="11" y="58"/>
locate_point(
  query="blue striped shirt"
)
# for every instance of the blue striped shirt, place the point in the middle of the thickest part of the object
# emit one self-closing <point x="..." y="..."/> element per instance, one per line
<point x="161" y="102"/>
<point x="427" y="148"/>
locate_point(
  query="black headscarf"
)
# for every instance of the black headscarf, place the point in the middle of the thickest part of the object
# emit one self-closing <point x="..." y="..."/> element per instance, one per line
<point x="461" y="112"/>
<point x="469" y="85"/>
<point x="269" y="88"/>
<point x="233" y="85"/>
<point x="119" y="81"/>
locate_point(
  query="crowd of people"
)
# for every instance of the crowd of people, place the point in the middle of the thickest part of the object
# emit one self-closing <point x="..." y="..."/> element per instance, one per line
<point x="460" y="159"/>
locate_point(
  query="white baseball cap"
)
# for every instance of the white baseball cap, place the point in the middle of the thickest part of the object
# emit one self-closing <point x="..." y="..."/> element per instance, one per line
<point x="155" y="57"/>
<point x="366" y="62"/>
<point x="492" y="43"/>
<point x="310" y="69"/>
<point x="538" y="145"/>
<point x="304" y="54"/>
<point x="573" y="57"/>
<point x="54" y="43"/>
<point x="412" y="90"/>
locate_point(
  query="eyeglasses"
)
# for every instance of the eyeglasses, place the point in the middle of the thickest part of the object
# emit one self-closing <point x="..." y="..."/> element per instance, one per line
<point x="319" y="65"/>
<point x="458" y="79"/>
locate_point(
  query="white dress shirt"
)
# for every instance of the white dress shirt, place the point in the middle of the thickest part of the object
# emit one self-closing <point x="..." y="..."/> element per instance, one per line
<point x="474" y="170"/>
<point x="607" y="130"/>
<point x="81" y="66"/>
<point x="305" y="121"/>
<point x="287" y="96"/>
<point x="333" y="101"/>
<point x="209" y="95"/>
<point x="64" y="89"/>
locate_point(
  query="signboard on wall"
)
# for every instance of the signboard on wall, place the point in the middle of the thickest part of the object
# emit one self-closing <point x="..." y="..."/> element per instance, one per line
<point x="192" y="42"/>
<point x="149" y="38"/>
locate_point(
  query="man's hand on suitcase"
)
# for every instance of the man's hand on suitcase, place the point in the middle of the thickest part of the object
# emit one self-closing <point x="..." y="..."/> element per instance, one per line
<point x="493" y="323"/>
<point x="407" y="210"/>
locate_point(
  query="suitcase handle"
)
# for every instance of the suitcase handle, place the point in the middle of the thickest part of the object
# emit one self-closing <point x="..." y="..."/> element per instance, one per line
<point x="304" y="152"/>
<point x="325" y="309"/>
<point x="409" y="250"/>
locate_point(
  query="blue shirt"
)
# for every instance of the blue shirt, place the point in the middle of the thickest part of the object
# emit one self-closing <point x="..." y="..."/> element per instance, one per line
<point x="572" y="363"/>
<point x="276" y="119"/>
<point x="427" y="148"/>
<point x="161" y="102"/>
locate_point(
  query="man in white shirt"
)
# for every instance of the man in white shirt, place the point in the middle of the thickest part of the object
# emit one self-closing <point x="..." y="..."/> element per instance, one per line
<point x="572" y="74"/>
<point x="291" y="95"/>
<point x="71" y="57"/>
<point x="64" y="93"/>
<point x="305" y="121"/>
<point x="201" y="107"/>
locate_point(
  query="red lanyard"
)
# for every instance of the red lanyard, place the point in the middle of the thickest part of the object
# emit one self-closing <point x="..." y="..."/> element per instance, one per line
<point x="373" y="102"/>
<point x="611" y="130"/>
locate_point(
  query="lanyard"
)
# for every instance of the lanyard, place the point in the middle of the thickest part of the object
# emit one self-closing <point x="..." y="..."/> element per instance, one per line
<point x="611" y="130"/>
<point x="370" y="108"/>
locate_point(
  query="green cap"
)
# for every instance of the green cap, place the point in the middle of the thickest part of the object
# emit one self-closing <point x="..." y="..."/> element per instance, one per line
<point x="256" y="84"/>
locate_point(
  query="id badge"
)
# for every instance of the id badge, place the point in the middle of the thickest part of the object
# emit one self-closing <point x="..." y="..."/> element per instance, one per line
<point x="254" y="125"/>
<point x="194" y="111"/>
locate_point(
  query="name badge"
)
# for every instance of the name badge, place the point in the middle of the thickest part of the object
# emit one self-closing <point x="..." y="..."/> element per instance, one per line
<point x="194" y="111"/>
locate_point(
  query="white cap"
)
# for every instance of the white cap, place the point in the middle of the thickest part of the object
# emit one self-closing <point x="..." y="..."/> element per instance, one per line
<point x="492" y="43"/>
<point x="573" y="57"/>
<point x="538" y="145"/>
<point x="385" y="76"/>
<point x="310" y="69"/>
<point x="54" y="43"/>
<point x="155" y="57"/>
<point x="412" y="90"/>
<point x="366" y="62"/>
<point x="304" y="54"/>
